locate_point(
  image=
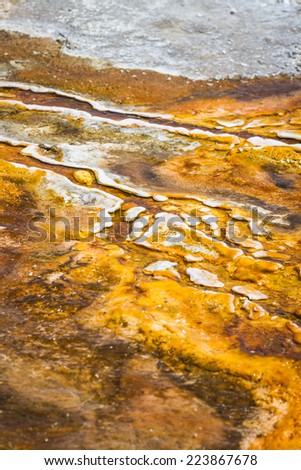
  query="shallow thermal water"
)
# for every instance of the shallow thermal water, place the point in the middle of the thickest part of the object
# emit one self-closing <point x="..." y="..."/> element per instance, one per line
<point x="151" y="263"/>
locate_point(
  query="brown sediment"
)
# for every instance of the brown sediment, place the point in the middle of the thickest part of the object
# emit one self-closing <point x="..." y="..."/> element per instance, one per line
<point x="40" y="61"/>
<point x="227" y="174"/>
<point x="100" y="352"/>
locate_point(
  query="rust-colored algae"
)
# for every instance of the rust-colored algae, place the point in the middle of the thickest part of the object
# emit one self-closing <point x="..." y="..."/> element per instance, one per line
<point x="99" y="350"/>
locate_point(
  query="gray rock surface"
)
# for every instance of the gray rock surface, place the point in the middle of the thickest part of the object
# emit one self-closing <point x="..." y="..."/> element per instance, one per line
<point x="194" y="38"/>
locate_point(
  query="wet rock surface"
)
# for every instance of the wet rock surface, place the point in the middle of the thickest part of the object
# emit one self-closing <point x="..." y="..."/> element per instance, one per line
<point x="192" y="38"/>
<point x="112" y="195"/>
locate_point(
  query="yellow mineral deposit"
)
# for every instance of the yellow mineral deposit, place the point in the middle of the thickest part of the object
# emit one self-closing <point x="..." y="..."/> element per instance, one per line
<point x="151" y="257"/>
